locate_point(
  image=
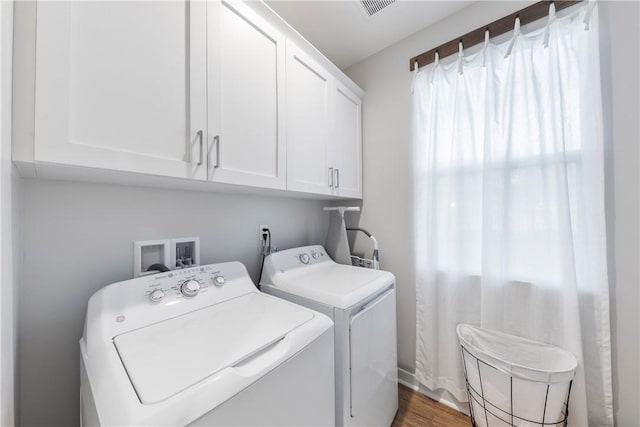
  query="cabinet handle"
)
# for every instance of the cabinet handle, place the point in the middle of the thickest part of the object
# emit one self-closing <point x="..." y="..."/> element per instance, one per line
<point x="337" y="178"/>
<point x="209" y="149"/>
<point x="216" y="140"/>
<point x="201" y="147"/>
<point x="330" y="177"/>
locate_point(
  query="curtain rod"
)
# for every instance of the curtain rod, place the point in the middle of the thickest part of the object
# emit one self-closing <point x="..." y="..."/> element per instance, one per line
<point x="503" y="25"/>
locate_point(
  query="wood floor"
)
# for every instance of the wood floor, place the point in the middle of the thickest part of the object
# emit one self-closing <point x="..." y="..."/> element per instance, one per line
<point x="417" y="410"/>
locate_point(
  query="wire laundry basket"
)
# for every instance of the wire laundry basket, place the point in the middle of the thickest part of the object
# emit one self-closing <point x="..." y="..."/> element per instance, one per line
<point x="513" y="381"/>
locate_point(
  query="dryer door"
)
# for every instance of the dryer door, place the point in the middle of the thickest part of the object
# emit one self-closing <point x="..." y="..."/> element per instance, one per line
<point x="373" y="359"/>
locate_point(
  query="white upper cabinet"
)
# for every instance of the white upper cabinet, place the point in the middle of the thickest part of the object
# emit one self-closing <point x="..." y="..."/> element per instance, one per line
<point x="246" y="96"/>
<point x="204" y="90"/>
<point x="308" y="104"/>
<point x="324" y="135"/>
<point x="346" y="143"/>
<point x="122" y="86"/>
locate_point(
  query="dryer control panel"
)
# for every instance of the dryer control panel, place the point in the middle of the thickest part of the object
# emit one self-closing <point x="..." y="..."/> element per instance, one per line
<point x="296" y="258"/>
<point x="311" y="256"/>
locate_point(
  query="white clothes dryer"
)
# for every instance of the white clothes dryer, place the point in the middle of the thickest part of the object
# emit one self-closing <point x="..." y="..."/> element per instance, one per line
<point x="362" y="304"/>
<point x="202" y="346"/>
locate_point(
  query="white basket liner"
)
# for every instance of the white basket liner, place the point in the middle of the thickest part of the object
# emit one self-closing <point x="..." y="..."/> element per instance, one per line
<point x="519" y="357"/>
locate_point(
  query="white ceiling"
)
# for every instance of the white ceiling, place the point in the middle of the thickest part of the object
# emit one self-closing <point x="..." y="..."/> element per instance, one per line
<point x="345" y="34"/>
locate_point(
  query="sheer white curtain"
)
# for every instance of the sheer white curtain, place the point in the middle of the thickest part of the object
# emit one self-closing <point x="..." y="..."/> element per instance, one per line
<point x="509" y="205"/>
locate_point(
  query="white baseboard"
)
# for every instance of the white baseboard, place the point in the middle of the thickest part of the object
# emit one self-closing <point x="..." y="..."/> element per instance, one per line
<point x="407" y="379"/>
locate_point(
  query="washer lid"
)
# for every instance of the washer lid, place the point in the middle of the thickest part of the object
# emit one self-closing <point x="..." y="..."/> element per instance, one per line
<point x="333" y="284"/>
<point x="167" y="357"/>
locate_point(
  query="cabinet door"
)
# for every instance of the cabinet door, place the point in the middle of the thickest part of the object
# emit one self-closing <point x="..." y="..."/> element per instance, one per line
<point x="246" y="68"/>
<point x="346" y="142"/>
<point x="122" y="86"/>
<point x="308" y="103"/>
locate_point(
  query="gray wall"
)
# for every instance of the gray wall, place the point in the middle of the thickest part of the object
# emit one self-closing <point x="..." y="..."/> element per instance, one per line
<point x="11" y="388"/>
<point x="620" y="77"/>
<point x="387" y="205"/>
<point x="9" y="229"/>
<point x="78" y="238"/>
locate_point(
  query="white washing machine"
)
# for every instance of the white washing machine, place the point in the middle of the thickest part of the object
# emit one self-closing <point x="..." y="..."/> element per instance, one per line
<point x="203" y="346"/>
<point x="362" y="304"/>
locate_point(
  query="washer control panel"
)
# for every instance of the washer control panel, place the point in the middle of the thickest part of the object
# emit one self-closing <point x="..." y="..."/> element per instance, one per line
<point x="145" y="300"/>
<point x="183" y="284"/>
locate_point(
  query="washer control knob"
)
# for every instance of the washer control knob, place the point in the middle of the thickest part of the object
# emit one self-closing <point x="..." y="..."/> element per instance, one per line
<point x="190" y="288"/>
<point x="218" y="281"/>
<point x="304" y="258"/>
<point x="156" y="295"/>
<point x="315" y="255"/>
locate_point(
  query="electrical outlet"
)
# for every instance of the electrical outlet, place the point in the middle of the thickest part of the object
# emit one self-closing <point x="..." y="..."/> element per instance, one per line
<point x="261" y="231"/>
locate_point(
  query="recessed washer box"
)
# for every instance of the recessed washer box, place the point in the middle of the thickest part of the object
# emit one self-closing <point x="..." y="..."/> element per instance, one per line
<point x="182" y="252"/>
<point x="149" y="252"/>
<point x="184" y="249"/>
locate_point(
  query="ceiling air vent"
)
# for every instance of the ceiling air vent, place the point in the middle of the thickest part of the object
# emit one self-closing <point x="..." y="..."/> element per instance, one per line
<point x="372" y="7"/>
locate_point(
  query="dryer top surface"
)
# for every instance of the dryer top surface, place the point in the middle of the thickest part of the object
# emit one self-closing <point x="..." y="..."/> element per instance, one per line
<point x="322" y="279"/>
